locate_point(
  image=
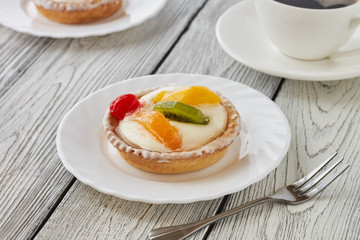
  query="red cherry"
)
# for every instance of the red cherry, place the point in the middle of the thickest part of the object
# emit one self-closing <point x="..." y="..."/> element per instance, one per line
<point x="124" y="104"/>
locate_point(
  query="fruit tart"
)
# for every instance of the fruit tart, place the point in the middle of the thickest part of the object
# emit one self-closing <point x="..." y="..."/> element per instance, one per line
<point x="173" y="129"/>
<point x="77" y="11"/>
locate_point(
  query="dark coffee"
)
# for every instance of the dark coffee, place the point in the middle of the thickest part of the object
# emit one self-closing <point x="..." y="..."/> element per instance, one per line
<point x="313" y="4"/>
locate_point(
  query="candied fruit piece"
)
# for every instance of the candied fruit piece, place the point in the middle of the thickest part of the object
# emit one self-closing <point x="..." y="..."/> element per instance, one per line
<point x="160" y="128"/>
<point x="159" y="96"/>
<point x="191" y="95"/>
<point x="181" y="112"/>
<point x="123" y="105"/>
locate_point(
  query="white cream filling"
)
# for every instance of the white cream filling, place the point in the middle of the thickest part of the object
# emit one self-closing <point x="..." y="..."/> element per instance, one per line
<point x="136" y="134"/>
<point x="193" y="135"/>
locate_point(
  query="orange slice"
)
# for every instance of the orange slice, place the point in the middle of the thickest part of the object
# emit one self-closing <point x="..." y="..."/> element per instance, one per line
<point x="159" y="96"/>
<point x="160" y="128"/>
<point x="191" y="95"/>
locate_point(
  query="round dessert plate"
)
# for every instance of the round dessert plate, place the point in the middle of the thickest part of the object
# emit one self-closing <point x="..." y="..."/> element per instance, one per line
<point x="22" y="16"/>
<point x="240" y="34"/>
<point x="85" y="151"/>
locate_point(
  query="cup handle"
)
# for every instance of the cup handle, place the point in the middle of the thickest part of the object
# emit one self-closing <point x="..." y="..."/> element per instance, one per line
<point x="354" y="23"/>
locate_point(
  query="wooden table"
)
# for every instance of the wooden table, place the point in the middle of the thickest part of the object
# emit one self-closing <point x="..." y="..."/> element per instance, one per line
<point x="42" y="78"/>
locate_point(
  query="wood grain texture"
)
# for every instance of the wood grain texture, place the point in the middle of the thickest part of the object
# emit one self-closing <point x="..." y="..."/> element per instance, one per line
<point x="88" y="214"/>
<point x="196" y="52"/>
<point x="41" y="79"/>
<point x="17" y="52"/>
<point x="32" y="177"/>
<point x="324" y="118"/>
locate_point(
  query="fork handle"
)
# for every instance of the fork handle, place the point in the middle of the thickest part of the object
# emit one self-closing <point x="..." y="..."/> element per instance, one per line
<point x="182" y="231"/>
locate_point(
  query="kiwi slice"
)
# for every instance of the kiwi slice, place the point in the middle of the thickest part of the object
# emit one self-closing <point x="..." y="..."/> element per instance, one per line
<point x="181" y="112"/>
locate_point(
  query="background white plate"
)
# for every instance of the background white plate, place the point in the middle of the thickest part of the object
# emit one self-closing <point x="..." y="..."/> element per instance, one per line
<point x="83" y="150"/>
<point x="22" y="16"/>
<point x="240" y="35"/>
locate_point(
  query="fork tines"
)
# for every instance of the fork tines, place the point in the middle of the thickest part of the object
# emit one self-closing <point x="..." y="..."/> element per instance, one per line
<point x="306" y="187"/>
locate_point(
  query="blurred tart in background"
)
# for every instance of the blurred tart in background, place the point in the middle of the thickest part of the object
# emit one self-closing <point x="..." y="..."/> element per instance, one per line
<point x="77" y="11"/>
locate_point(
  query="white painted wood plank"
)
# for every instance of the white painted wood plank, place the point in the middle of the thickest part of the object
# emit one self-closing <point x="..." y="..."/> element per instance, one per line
<point x="88" y="214"/>
<point x="199" y="52"/>
<point x="17" y="52"/>
<point x="129" y="220"/>
<point x="324" y="118"/>
<point x="32" y="177"/>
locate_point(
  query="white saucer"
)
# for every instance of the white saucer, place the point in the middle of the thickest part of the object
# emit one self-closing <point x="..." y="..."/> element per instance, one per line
<point x="22" y="16"/>
<point x="84" y="151"/>
<point x="240" y="35"/>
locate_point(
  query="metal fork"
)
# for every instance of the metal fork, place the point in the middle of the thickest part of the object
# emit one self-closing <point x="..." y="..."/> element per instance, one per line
<point x="298" y="192"/>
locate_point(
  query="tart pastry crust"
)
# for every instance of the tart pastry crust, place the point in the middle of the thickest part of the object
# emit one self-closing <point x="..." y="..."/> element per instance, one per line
<point x="176" y="161"/>
<point x="77" y="12"/>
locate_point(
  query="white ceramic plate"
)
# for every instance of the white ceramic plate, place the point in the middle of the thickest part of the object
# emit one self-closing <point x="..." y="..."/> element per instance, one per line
<point x="240" y="35"/>
<point x="84" y="151"/>
<point x="22" y="16"/>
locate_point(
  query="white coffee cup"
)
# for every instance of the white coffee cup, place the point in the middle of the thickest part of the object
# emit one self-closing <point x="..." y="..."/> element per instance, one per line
<point x="307" y="34"/>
